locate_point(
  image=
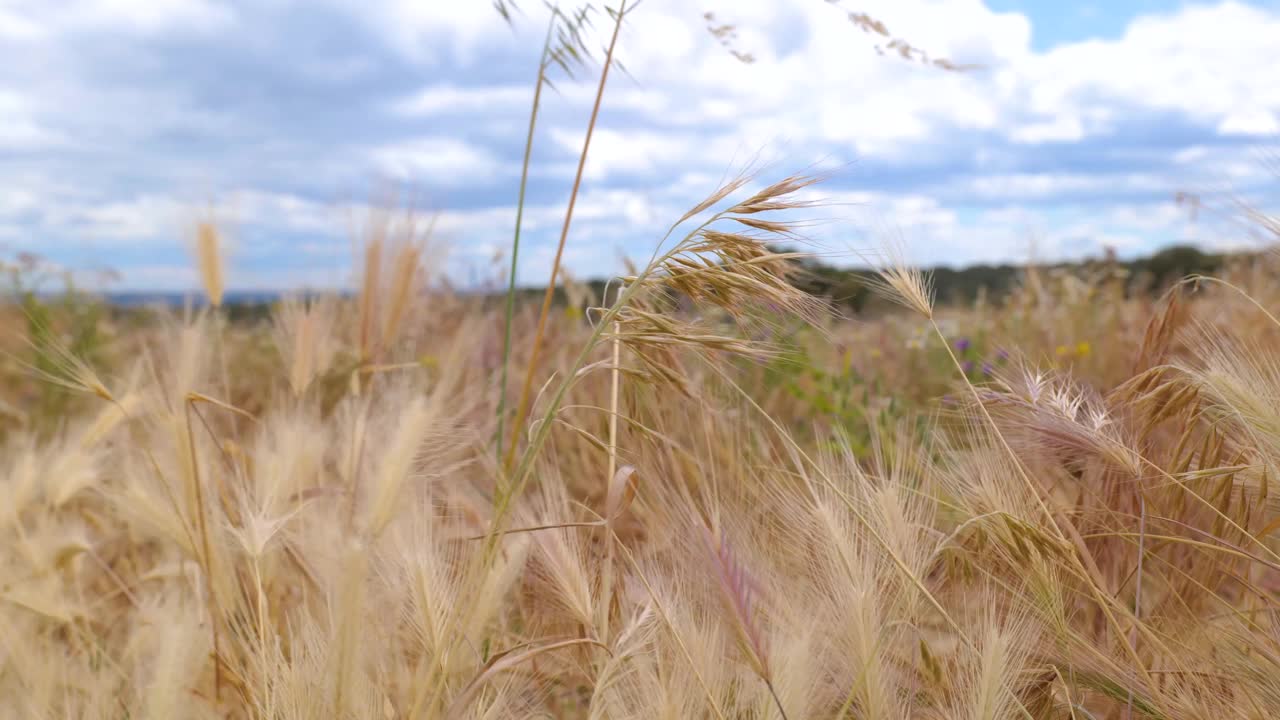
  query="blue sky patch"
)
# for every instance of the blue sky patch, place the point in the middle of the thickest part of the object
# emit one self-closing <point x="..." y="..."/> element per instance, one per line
<point x="125" y="121"/>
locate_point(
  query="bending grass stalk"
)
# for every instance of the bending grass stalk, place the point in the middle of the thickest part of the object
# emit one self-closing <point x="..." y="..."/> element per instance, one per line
<point x="606" y="589"/>
<point x="1137" y="587"/>
<point x="515" y="240"/>
<point x="523" y="406"/>
<point x="220" y="343"/>
<point x="1211" y="507"/>
<point x="1197" y="279"/>
<point x="1175" y="539"/>
<point x="657" y="604"/>
<point x="1090" y="569"/>
<point x="860" y="680"/>
<point x="202" y="525"/>
<point x="1243" y="616"/>
<point x="902" y="566"/>
<point x="853" y="508"/>
<point x="505" y="661"/>
<point x="776" y="700"/>
<point x="262" y="612"/>
<point x="514" y="482"/>
<point x="214" y="612"/>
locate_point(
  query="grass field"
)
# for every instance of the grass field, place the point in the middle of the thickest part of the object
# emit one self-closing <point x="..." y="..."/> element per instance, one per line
<point x="726" y="501"/>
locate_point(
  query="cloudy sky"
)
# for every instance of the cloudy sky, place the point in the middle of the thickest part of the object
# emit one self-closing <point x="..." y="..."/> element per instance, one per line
<point x="121" y="120"/>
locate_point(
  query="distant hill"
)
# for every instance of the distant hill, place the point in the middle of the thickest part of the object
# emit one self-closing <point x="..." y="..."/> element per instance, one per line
<point x="847" y="288"/>
<point x="139" y="298"/>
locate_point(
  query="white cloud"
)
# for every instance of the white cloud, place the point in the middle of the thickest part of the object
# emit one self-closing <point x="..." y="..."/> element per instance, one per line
<point x="431" y="32"/>
<point x="1064" y="128"/>
<point x="1034" y="186"/>
<point x="439" y="160"/>
<point x="114" y="126"/>
<point x="139" y="220"/>
<point x="16" y="25"/>
<point x="816" y="81"/>
<point x="15" y="201"/>
<point x="1207" y="62"/>
<point x="1250" y="121"/>
<point x="630" y="151"/>
<point x="1192" y="154"/>
<point x="21" y="130"/>
<point x="32" y="19"/>
<point x="446" y="99"/>
<point x="25" y="135"/>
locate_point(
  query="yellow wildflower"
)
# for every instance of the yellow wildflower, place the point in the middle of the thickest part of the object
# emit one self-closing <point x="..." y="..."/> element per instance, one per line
<point x="1083" y="348"/>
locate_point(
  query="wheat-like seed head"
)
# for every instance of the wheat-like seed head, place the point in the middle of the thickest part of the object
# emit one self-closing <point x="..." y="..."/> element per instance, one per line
<point x="209" y="261"/>
<point x="406" y="272"/>
<point x="70" y="371"/>
<point x="904" y="284"/>
<point x="1053" y="413"/>
<point x="718" y="271"/>
<point x="738" y="591"/>
<point x="369" y="285"/>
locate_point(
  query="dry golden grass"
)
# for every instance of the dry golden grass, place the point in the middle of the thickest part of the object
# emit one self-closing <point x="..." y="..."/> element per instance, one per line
<point x="324" y="530"/>
<point x="711" y="497"/>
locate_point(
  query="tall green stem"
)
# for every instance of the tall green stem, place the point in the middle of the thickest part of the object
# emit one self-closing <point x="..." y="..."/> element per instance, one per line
<point x="515" y="240"/>
<point x="523" y="406"/>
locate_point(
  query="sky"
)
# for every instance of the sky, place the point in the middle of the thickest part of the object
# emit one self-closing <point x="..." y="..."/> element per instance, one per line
<point x="123" y="122"/>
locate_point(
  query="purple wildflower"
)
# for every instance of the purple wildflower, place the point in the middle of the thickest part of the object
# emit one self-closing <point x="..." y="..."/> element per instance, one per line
<point x="963" y="344"/>
<point x="1002" y="355"/>
<point x="987" y="369"/>
<point x="967" y="366"/>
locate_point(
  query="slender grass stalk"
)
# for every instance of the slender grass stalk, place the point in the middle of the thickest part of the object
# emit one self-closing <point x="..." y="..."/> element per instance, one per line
<point x="219" y="325"/>
<point x="1137" y="588"/>
<point x="210" y="263"/>
<point x="202" y="525"/>
<point x="606" y="589"/>
<point x="511" y="489"/>
<point x="261" y="624"/>
<point x="776" y="700"/>
<point x="523" y="406"/>
<point x="614" y="377"/>
<point x="1089" y="569"/>
<point x="515" y="239"/>
<point x="712" y="702"/>
<point x="515" y="481"/>
<point x="862" y="518"/>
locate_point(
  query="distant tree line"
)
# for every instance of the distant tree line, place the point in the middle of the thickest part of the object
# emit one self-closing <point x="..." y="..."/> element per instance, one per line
<point x="848" y="288"/>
